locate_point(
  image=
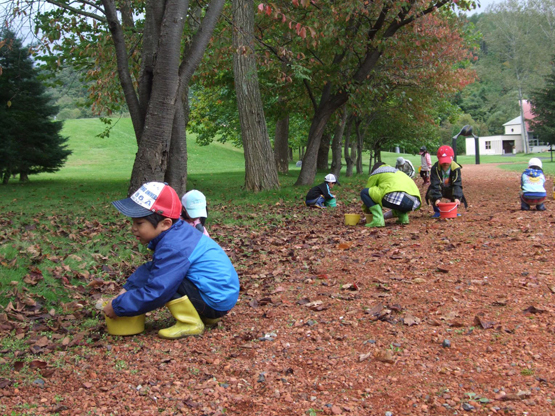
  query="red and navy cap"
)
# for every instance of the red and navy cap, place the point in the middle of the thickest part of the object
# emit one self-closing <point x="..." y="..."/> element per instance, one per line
<point x="151" y="197"/>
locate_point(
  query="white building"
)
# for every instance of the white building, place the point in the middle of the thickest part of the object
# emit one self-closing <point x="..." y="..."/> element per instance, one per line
<point x="510" y="141"/>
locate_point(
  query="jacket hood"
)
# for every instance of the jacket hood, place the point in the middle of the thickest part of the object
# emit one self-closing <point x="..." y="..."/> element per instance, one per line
<point x="532" y="172"/>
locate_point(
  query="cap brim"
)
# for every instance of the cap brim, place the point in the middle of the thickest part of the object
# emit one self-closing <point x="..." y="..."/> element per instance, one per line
<point x="443" y="160"/>
<point x="129" y="208"/>
<point x="197" y="213"/>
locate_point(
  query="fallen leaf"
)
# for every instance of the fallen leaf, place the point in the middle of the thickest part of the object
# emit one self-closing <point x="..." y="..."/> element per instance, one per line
<point x="363" y="357"/>
<point x="411" y="320"/>
<point x="385" y="356"/>
<point x="479" y="321"/>
<point x="533" y="309"/>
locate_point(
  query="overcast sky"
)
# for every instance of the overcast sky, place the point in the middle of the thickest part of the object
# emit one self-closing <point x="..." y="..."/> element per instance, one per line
<point x="483" y="5"/>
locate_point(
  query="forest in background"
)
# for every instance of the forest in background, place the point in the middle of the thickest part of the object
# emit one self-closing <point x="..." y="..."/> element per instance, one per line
<point x="514" y="54"/>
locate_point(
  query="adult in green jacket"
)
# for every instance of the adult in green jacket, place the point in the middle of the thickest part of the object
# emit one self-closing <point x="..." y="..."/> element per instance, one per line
<point x="391" y="188"/>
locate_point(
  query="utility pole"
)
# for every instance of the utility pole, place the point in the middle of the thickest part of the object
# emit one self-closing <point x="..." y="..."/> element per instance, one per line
<point x="523" y="133"/>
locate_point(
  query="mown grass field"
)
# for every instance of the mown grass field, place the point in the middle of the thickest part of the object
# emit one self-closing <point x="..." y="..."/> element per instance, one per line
<point x="63" y="224"/>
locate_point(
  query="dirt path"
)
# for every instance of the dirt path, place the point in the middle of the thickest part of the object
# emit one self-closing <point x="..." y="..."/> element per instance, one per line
<point x="437" y="317"/>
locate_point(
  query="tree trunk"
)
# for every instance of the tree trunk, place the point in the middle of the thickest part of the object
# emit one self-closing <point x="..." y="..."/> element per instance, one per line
<point x="6" y="177"/>
<point x="323" y="153"/>
<point x="281" y="145"/>
<point x="154" y="145"/>
<point x="328" y="105"/>
<point x="23" y="177"/>
<point x="336" y="144"/>
<point x="360" y="140"/>
<point x="348" y="160"/>
<point x="176" y="173"/>
<point x="260" y="168"/>
<point x="156" y="107"/>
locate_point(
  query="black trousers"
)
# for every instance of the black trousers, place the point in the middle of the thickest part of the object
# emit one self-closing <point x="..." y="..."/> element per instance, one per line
<point x="187" y="288"/>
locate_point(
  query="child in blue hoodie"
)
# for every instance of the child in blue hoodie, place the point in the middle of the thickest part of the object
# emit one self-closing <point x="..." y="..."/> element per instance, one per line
<point x="532" y="190"/>
<point x="189" y="272"/>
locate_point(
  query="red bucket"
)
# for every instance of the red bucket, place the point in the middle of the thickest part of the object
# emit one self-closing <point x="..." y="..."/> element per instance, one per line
<point x="447" y="209"/>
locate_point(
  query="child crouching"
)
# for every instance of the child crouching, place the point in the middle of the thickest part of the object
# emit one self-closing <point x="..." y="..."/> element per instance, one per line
<point x="532" y="189"/>
<point x="189" y="272"/>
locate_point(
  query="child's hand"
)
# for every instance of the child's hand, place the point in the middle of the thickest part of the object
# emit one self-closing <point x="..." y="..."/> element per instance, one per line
<point x="437" y="202"/>
<point x="109" y="310"/>
<point x="457" y="202"/>
<point x="121" y="292"/>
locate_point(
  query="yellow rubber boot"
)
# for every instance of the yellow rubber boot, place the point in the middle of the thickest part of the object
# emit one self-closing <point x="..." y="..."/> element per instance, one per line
<point x="188" y="320"/>
<point x="210" y="322"/>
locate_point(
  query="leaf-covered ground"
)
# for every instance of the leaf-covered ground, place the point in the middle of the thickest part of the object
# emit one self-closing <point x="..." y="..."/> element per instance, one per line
<point x="436" y="317"/>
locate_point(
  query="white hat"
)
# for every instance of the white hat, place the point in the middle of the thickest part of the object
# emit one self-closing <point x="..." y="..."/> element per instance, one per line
<point x="194" y="202"/>
<point x="535" y="162"/>
<point x="400" y="160"/>
<point x="330" y="177"/>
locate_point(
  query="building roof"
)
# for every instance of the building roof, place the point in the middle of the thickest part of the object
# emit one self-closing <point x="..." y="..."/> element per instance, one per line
<point x="528" y="115"/>
<point x="513" y="122"/>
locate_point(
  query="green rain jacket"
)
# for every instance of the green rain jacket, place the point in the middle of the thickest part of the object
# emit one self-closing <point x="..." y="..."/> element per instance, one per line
<point x="387" y="179"/>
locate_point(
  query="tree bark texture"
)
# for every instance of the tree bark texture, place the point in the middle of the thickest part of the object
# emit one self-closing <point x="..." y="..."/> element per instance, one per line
<point x="176" y="173"/>
<point x="281" y="145"/>
<point x="323" y="153"/>
<point x="336" y="144"/>
<point x="348" y="160"/>
<point x="154" y="145"/>
<point x="260" y="168"/>
<point x="360" y="141"/>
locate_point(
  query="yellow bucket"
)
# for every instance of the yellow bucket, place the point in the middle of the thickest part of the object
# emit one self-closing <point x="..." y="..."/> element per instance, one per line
<point x="352" y="219"/>
<point x="125" y="325"/>
<point x="369" y="218"/>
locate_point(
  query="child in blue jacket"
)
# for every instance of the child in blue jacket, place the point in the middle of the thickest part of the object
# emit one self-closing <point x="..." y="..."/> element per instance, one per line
<point x="189" y="272"/>
<point x="532" y="189"/>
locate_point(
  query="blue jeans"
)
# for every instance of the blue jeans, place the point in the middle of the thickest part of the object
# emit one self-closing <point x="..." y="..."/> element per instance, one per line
<point x="318" y="201"/>
<point x="405" y="205"/>
<point x="187" y="288"/>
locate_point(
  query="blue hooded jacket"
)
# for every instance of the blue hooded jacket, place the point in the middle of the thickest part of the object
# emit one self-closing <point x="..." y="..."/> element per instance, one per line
<point x="532" y="183"/>
<point x="182" y="252"/>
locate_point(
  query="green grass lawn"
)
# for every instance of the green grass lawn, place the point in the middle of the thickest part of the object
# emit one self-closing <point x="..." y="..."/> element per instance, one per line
<point x="63" y="226"/>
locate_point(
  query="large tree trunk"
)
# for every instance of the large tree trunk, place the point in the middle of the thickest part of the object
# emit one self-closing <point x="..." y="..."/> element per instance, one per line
<point x="322" y="162"/>
<point x="156" y="109"/>
<point x="336" y="144"/>
<point x="176" y="173"/>
<point x="260" y="168"/>
<point x="281" y="145"/>
<point x="154" y="145"/>
<point x="328" y="105"/>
